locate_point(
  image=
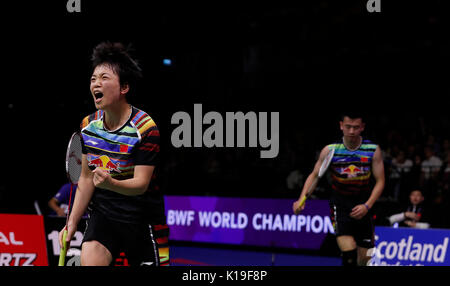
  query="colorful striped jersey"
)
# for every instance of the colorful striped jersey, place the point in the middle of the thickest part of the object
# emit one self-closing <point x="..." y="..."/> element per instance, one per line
<point x="118" y="152"/>
<point x="351" y="170"/>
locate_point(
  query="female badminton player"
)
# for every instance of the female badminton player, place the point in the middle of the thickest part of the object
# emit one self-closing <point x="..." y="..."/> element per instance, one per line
<point x="120" y="152"/>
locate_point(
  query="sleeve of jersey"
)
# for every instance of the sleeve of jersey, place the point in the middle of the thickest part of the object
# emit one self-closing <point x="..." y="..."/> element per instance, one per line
<point x="147" y="151"/>
<point x="83" y="124"/>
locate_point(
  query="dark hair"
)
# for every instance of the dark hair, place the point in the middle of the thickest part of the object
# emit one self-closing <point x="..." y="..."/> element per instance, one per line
<point x="352" y="114"/>
<point x="416" y="189"/>
<point x="117" y="56"/>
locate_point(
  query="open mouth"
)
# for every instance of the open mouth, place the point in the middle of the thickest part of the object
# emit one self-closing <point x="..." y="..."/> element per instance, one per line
<point x="98" y="95"/>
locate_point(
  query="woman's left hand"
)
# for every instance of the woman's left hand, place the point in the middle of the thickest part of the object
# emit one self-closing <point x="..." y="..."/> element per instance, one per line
<point x="102" y="179"/>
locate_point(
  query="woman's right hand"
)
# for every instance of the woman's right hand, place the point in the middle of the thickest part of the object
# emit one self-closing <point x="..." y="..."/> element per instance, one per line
<point x="70" y="234"/>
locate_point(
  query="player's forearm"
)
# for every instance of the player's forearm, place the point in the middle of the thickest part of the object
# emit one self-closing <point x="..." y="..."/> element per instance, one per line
<point x="53" y="205"/>
<point x="376" y="192"/>
<point x="82" y="198"/>
<point x="309" y="181"/>
<point x="129" y="187"/>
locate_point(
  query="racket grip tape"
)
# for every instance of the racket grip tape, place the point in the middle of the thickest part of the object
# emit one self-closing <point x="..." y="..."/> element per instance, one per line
<point x="302" y="202"/>
<point x="309" y="192"/>
<point x="63" y="252"/>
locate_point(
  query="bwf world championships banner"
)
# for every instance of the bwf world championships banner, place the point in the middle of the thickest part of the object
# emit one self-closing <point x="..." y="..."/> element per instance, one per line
<point x="248" y="221"/>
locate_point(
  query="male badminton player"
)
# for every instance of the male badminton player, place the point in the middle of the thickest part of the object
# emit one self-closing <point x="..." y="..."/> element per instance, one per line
<point x="355" y="162"/>
<point x="120" y="151"/>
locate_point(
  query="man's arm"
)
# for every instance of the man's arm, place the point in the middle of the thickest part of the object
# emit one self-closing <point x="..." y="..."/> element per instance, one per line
<point x="360" y="211"/>
<point x="396" y="218"/>
<point x="53" y="203"/>
<point x="310" y="181"/>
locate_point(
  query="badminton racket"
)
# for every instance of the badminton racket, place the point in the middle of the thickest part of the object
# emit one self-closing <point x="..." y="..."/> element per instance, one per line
<point x="323" y="168"/>
<point x="73" y="171"/>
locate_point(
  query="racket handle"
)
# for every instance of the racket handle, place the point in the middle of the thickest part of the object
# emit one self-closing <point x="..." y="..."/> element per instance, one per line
<point x="309" y="192"/>
<point x="63" y="252"/>
<point x="302" y="202"/>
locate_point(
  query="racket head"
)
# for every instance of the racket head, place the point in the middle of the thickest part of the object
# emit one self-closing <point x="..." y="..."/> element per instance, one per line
<point x="73" y="158"/>
<point x="326" y="162"/>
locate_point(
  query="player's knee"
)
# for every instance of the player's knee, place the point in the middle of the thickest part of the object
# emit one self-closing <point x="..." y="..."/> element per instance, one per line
<point x="350" y="258"/>
<point x="94" y="253"/>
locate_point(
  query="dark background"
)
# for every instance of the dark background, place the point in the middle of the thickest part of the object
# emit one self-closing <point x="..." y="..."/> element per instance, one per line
<point x="307" y="61"/>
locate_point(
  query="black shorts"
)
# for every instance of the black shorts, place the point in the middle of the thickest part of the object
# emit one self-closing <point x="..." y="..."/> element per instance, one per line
<point x="136" y="240"/>
<point x="362" y="230"/>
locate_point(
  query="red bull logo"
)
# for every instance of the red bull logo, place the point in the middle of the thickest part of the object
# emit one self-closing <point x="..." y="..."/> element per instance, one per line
<point x="352" y="171"/>
<point x="104" y="162"/>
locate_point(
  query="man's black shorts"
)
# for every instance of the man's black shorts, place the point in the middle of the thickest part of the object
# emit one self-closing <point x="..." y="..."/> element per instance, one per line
<point x="362" y="230"/>
<point x="136" y="240"/>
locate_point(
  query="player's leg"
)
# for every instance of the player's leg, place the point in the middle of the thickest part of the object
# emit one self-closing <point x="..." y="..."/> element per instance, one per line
<point x="346" y="242"/>
<point x="347" y="245"/>
<point x="363" y="258"/>
<point x="344" y="236"/>
<point x="93" y="253"/>
<point x="98" y="241"/>
<point x="365" y="239"/>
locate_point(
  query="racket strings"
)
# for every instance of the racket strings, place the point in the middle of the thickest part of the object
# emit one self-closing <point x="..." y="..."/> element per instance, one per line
<point x="73" y="160"/>
<point x="73" y="170"/>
